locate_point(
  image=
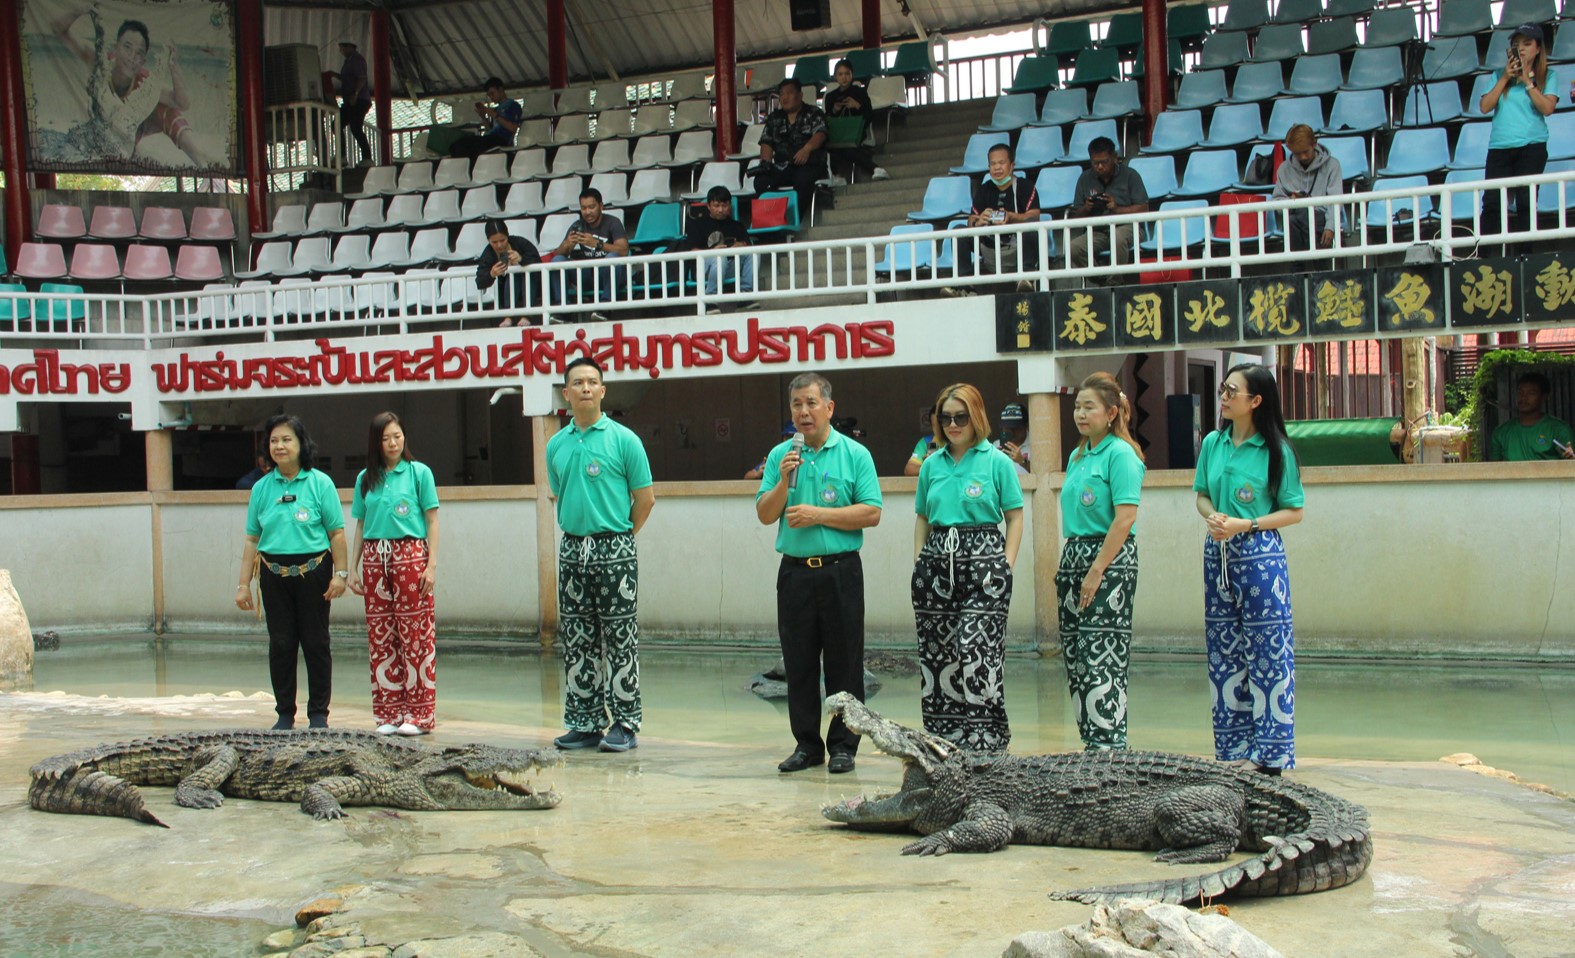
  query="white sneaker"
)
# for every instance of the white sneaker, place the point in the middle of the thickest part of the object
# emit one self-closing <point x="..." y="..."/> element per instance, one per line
<point x="387" y="729"/>
<point x="880" y="174"/>
<point x="410" y="728"/>
<point x="836" y="182"/>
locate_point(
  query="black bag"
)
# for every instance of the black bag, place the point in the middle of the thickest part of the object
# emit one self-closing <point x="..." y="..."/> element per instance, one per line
<point x="1261" y="171"/>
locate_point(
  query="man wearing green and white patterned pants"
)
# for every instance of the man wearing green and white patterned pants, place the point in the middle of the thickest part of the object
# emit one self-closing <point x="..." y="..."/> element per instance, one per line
<point x="599" y="473"/>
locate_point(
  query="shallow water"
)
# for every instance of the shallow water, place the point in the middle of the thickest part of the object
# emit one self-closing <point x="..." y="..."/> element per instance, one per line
<point x="1519" y="719"/>
<point x="52" y="922"/>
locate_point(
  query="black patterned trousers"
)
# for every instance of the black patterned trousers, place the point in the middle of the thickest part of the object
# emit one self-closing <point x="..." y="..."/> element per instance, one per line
<point x="598" y="588"/>
<point x="1096" y="642"/>
<point x="962" y="588"/>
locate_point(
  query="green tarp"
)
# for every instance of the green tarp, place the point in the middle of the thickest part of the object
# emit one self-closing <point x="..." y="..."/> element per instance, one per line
<point x="1343" y="442"/>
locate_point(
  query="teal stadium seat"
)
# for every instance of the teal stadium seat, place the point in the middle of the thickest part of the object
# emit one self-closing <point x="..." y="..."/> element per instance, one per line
<point x="1516" y="12"/>
<point x="1013" y="111"/>
<point x="1348" y="8"/>
<point x="12" y="308"/>
<point x="1406" y="211"/>
<point x="905" y="259"/>
<point x="1358" y="111"/>
<point x="1095" y="67"/>
<point x="1375" y="69"/>
<point x="1085" y="133"/>
<point x="1315" y="76"/>
<point x="659" y="223"/>
<point x="1332" y="36"/>
<point x="1290" y="111"/>
<point x="944" y="198"/>
<point x="1176" y="63"/>
<point x="1548" y="194"/>
<point x="812" y="71"/>
<point x="1278" y="42"/>
<point x="1201" y="90"/>
<point x="1471" y="146"/>
<point x="1115" y="100"/>
<point x="1189" y="23"/>
<point x="1298" y="11"/>
<point x="1062" y="107"/>
<point x="1256" y="82"/>
<point x="1245" y="15"/>
<point x="1036" y="74"/>
<point x="1414" y="151"/>
<point x="1069" y="38"/>
<point x="976" y="156"/>
<point x="1351" y="151"/>
<point x="1056" y="187"/>
<point x="1234" y="124"/>
<point x="913" y="62"/>
<point x="865" y="64"/>
<point x="1458" y="18"/>
<point x="1176" y="130"/>
<point x="1040" y="146"/>
<point x="1171" y="236"/>
<point x="1450" y="57"/>
<point x="1158" y="174"/>
<point x="1432" y="103"/>
<point x="1223" y="50"/>
<point x="1125" y="34"/>
<point x="1208" y="173"/>
<point x="1391" y="27"/>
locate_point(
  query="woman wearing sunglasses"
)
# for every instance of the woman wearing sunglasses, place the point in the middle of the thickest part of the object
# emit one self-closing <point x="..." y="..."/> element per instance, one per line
<point x="1249" y="487"/>
<point x="1097" y="580"/>
<point x="962" y="573"/>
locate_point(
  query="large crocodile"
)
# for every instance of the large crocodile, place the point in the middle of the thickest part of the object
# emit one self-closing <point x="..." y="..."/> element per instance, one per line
<point x="323" y="769"/>
<point x="1188" y="809"/>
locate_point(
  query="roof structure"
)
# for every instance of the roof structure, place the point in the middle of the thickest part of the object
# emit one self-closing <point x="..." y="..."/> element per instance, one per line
<point x="451" y="46"/>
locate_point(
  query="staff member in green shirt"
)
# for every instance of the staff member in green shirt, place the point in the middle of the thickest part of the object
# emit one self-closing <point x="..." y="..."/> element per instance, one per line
<point x="822" y="499"/>
<point x="1097" y="580"/>
<point x="962" y="573"/>
<point x="601" y="478"/>
<point x="1532" y="434"/>
<point x="295" y="548"/>
<point x="1249" y="487"/>
<point x="395" y="569"/>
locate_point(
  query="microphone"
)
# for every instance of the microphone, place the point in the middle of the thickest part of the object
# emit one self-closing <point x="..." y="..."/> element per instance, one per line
<point x="798" y="449"/>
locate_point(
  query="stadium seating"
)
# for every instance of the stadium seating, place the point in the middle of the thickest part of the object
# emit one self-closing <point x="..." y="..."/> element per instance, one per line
<point x="1358" y="111"/>
<point x="198" y="264"/>
<point x="1432" y="103"/>
<point x="1278" y="42"/>
<point x="60" y="221"/>
<point x="1463" y="17"/>
<point x="1290" y="111"/>
<point x="1062" y="107"/>
<point x="1223" y="50"/>
<point x="212" y="224"/>
<point x="1234" y="124"/>
<point x="1424" y="150"/>
<point x="1245" y="15"/>
<point x="1391" y="27"/>
<point x="1115" y="100"/>
<point x="976" y="157"/>
<point x="1170" y="237"/>
<point x="1055" y="186"/>
<point x="1332" y="36"/>
<point x="1013" y="111"/>
<point x="1208" y="173"/>
<point x="1297" y="11"/>
<point x="1471" y="146"/>
<point x="1375" y="69"/>
<point x="1094" y="67"/>
<point x="148" y="263"/>
<point x="1036" y="74"/>
<point x="1039" y="146"/>
<point x="1175" y="130"/>
<point x="165" y="224"/>
<point x="1201" y="90"/>
<point x="945" y="197"/>
<point x="1086" y="132"/>
<point x="1158" y="174"/>
<point x="1069" y="38"/>
<point x="1315" y="76"/>
<point x="1447" y="58"/>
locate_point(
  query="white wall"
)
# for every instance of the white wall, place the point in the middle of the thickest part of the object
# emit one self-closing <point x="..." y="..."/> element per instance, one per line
<point x="88" y="565"/>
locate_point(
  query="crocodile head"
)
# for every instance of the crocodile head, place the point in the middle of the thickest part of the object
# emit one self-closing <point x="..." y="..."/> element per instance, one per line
<point x="483" y="778"/>
<point x="927" y="761"/>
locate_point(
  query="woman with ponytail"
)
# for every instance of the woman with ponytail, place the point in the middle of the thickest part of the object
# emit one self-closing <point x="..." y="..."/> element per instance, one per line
<point x="1249" y="487"/>
<point x="1097" y="579"/>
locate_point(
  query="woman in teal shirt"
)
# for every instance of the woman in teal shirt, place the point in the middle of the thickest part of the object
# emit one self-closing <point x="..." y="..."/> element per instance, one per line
<point x="962" y="573"/>
<point x="395" y="548"/>
<point x="295" y="548"/>
<point x="1249" y="487"/>
<point x="1097" y="581"/>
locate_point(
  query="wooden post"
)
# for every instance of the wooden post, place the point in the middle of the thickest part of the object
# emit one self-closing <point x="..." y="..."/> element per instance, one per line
<point x="1413" y="385"/>
<point x="160" y="449"/>
<point x="543" y="428"/>
<point x="1044" y="455"/>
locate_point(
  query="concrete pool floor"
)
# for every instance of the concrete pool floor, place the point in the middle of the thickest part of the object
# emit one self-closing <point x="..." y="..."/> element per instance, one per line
<point x="694" y="845"/>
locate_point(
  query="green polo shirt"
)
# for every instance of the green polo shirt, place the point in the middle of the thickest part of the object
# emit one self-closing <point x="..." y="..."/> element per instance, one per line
<point x="922" y="450"/>
<point x="1513" y="442"/>
<point x="592" y="471"/>
<point x="301" y="525"/>
<point x="839" y="473"/>
<point x="1108" y="475"/>
<point x="397" y="508"/>
<point x="977" y="490"/>
<point x="1236" y="478"/>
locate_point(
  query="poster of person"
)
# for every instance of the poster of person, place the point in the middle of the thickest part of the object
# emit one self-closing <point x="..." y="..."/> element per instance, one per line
<point x="130" y="86"/>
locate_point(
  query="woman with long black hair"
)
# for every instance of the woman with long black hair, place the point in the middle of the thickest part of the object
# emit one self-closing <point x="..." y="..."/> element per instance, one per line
<point x="1523" y="95"/>
<point x="1249" y="487"/>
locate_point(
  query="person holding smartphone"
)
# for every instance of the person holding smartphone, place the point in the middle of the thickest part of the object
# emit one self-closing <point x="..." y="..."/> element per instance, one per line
<point x="1310" y="170"/>
<point x="1002" y="198"/>
<point x="1106" y="188"/>
<point x="1520" y="101"/>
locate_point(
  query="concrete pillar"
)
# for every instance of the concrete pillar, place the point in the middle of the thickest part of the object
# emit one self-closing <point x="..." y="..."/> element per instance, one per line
<point x="1045" y="456"/>
<point x="557" y="45"/>
<point x="13" y="133"/>
<point x="249" y="39"/>
<point x="542" y="429"/>
<point x="382" y="86"/>
<point x="723" y="87"/>
<point x="871" y="24"/>
<point x="160" y="447"/>
<point x="26" y="476"/>
<point x="1156" y="64"/>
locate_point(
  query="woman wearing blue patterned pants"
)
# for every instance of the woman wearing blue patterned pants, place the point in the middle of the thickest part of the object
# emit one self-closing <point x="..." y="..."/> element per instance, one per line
<point x="1249" y="485"/>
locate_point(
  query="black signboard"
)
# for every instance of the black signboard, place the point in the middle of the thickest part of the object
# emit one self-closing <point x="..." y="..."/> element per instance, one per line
<point x="1411" y="298"/>
<point x="1485" y="292"/>
<point x="1550" y="287"/>
<point x="1273" y="308"/>
<point x="1084" y="319"/>
<point x="1341" y="304"/>
<point x="1022" y="323"/>
<point x="1207" y="311"/>
<point x="1146" y="315"/>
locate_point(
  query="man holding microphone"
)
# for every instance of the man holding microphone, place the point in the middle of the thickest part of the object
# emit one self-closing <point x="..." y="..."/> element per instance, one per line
<point x="821" y="491"/>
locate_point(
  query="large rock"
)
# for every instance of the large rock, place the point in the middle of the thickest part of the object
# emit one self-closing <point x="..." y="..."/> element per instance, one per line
<point x="1135" y="928"/>
<point x="16" y="636"/>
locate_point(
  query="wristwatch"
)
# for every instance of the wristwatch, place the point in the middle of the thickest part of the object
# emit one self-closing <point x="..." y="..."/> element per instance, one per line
<point x="345" y="575"/>
<point x="1255" y="525"/>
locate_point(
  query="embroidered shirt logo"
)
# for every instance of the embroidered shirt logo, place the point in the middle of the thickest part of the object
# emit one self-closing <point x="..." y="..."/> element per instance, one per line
<point x="973" y="490"/>
<point x="594" y="469"/>
<point x="403" y="509"/>
<point x="1087" y="498"/>
<point x="828" y="494"/>
<point x="1244" y="494"/>
<point x="301" y="515"/>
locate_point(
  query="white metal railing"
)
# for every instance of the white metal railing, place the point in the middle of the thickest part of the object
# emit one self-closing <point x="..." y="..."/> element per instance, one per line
<point x="303" y="139"/>
<point x="796" y="274"/>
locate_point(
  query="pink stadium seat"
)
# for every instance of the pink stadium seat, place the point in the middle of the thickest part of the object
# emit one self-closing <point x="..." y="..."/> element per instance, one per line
<point x="61" y="221"/>
<point x="147" y="263"/>
<point x="162" y="223"/>
<point x="212" y="223"/>
<point x="41" y="261"/>
<point x="113" y="222"/>
<point x="94" y="261"/>
<point x="198" y="264"/>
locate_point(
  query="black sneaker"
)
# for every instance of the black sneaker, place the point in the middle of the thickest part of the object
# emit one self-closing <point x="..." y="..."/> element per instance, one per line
<point x="283" y="724"/>
<point x="620" y="738"/>
<point x="573" y="740"/>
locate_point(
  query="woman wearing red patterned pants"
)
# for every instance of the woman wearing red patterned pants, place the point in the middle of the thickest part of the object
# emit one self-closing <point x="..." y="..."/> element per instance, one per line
<point x="394" y="566"/>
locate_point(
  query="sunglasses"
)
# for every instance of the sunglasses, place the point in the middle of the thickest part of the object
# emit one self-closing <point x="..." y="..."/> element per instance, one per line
<point x="1231" y="391"/>
<point x="949" y="419"/>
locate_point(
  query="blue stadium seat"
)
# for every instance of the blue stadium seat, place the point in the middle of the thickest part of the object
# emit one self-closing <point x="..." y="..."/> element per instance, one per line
<point x="1563" y="50"/>
<point x="1297" y="11"/>
<point x="1063" y="106"/>
<point x="1096" y="66"/>
<point x="1013" y="111"/>
<point x="1208" y="173"/>
<point x="1332" y="36"/>
<point x="1245" y="15"/>
<point x="1433" y="103"/>
<point x="1278" y="42"/>
<point x="1223" y="50"/>
<point x="1256" y="82"/>
<point x="1118" y="98"/>
<point x="1457" y="18"/>
<point x="1463" y="206"/>
<point x="1200" y="90"/>
<point x="1391" y="28"/>
<point x="1258" y="149"/>
<point x="1173" y="236"/>
<point x="1084" y="133"/>
<point x="1158" y="173"/>
<point x="1516" y="12"/>
<point x="1176" y="130"/>
<point x="1375" y="69"/>
<point x="1055" y="186"/>
<point x="1358" y="111"/>
<point x="1561" y="136"/>
<point x="1548" y="193"/>
<point x="1036" y="74"/>
<point x="1412" y="151"/>
<point x="1234" y="124"/>
<point x="1351" y="151"/>
<point x="976" y="156"/>
<point x="1471" y="146"/>
<point x="1040" y="146"/>
<point x="1403" y="210"/>
<point x="946" y="259"/>
<point x="1472" y="108"/>
<point x="1290" y="111"/>
<point x="945" y="197"/>
<point x="1313" y="76"/>
<point x="1450" y="57"/>
<point x="905" y="258"/>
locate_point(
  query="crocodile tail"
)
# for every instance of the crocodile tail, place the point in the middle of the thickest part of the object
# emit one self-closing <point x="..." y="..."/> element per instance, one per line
<point x="90" y="792"/>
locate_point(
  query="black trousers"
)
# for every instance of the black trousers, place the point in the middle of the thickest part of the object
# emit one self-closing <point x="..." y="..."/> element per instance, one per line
<point x="1527" y="160"/>
<point x="474" y="145"/>
<point x="820" y="619"/>
<point x="298" y="620"/>
<point x="792" y="177"/>
<point x="352" y="119"/>
<point x="986" y="247"/>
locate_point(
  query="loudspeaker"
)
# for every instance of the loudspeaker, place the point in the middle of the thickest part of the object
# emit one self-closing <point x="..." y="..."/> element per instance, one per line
<point x="810" y="14"/>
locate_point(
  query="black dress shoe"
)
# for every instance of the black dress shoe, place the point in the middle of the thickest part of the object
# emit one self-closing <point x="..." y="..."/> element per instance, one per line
<point x="840" y="762"/>
<point x="799" y="761"/>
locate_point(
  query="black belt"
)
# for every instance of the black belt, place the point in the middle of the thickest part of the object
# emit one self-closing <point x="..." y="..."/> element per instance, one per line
<point x="971" y="525"/>
<point x="595" y="535"/>
<point x="815" y="562"/>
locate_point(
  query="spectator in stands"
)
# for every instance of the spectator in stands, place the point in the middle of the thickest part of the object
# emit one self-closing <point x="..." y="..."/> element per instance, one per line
<point x="503" y="117"/>
<point x="926" y="445"/>
<point x="597" y="237"/>
<point x="1014" y="435"/>
<point x="1003" y="198"/>
<point x="847" y="101"/>
<point x="357" y="99"/>
<point x="792" y="145"/>
<point x="1522" y="96"/>
<point x="1310" y="170"/>
<point x="502" y="252"/>
<point x="788" y="431"/>
<point x="717" y="230"/>
<point x="1532" y="434"/>
<point x="1106" y="188"/>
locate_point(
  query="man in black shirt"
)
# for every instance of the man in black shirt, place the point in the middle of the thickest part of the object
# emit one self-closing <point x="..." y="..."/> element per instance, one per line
<point x="792" y="146"/>
<point x="502" y="252"/>
<point x="717" y="230"/>
<point x="1002" y="198"/>
<point x="596" y="237"/>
